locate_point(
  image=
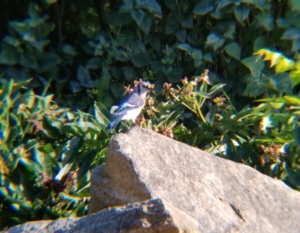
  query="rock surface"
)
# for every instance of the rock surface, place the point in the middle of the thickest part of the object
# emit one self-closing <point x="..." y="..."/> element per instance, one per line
<point x="149" y="217"/>
<point x="202" y="192"/>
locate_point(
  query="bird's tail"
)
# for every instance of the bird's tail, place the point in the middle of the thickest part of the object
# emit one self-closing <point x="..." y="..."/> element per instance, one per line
<point x="113" y="124"/>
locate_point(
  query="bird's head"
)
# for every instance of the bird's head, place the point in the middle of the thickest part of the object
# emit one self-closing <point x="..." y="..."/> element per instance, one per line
<point x="143" y="87"/>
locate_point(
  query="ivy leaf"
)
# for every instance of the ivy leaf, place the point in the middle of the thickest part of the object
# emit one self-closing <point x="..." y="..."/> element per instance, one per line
<point x="196" y="54"/>
<point x="241" y="13"/>
<point x="215" y="40"/>
<point x="188" y="21"/>
<point x="29" y="60"/>
<point x="291" y="34"/>
<point x="150" y="5"/>
<point x="138" y="16"/>
<point x="83" y="76"/>
<point x="204" y="6"/>
<point x="139" y="59"/>
<point x="233" y="50"/>
<point x="254" y="88"/>
<point x="94" y="63"/>
<point x="129" y="72"/>
<point x="295" y="45"/>
<point x="212" y="38"/>
<point x="259" y="43"/>
<point x="181" y="34"/>
<point x="146" y="23"/>
<point x="184" y="46"/>
<point x="266" y="20"/>
<point x="9" y="56"/>
<point x="208" y="57"/>
<point x="48" y="61"/>
<point x="254" y="65"/>
<point x="68" y="49"/>
<point x="223" y="3"/>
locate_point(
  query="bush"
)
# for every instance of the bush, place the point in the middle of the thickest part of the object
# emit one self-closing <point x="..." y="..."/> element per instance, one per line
<point x="80" y="57"/>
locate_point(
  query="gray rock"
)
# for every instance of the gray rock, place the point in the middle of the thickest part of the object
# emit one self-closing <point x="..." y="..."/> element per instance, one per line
<point x="202" y="192"/>
<point x="149" y="217"/>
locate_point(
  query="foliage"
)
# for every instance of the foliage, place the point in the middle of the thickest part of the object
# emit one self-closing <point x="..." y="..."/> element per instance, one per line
<point x="47" y="153"/>
<point x="84" y="54"/>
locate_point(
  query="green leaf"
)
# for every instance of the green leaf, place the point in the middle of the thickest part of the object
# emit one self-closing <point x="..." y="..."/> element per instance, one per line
<point x="83" y="76"/>
<point x="129" y="73"/>
<point x="254" y="65"/>
<point x="215" y="88"/>
<point x="196" y="54"/>
<point x="101" y="118"/>
<point x="223" y="3"/>
<point x="202" y="94"/>
<point x="171" y="25"/>
<point x="175" y="75"/>
<point x="295" y="77"/>
<point x="11" y="41"/>
<point x="48" y="61"/>
<point x="241" y="13"/>
<point x="94" y="63"/>
<point x="171" y="4"/>
<point x="233" y="50"/>
<point x="142" y="19"/>
<point x="287" y="99"/>
<point x="138" y="16"/>
<point x="230" y="30"/>
<point x="291" y="34"/>
<point x="39" y="45"/>
<point x="184" y="46"/>
<point x="204" y="6"/>
<point x="29" y="60"/>
<point x="208" y="57"/>
<point x="295" y="45"/>
<point x="68" y="49"/>
<point x="188" y="21"/>
<point x="295" y="5"/>
<point x="9" y="56"/>
<point x="266" y="20"/>
<point x="150" y="5"/>
<point x="212" y="38"/>
<point x="146" y="23"/>
<point x="255" y="87"/>
<point x="181" y="34"/>
<point x="139" y="59"/>
<point x="260" y="43"/>
<point x="215" y="40"/>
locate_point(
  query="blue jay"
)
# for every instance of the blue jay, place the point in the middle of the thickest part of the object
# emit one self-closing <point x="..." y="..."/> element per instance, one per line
<point x="132" y="105"/>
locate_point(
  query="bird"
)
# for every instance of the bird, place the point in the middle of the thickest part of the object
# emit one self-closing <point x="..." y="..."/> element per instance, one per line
<point x="131" y="105"/>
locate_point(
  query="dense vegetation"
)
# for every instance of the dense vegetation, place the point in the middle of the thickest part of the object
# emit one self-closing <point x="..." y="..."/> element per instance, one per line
<point x="226" y="77"/>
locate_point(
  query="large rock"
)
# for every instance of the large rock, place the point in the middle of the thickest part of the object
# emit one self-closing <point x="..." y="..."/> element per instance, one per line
<point x="149" y="217"/>
<point x="202" y="192"/>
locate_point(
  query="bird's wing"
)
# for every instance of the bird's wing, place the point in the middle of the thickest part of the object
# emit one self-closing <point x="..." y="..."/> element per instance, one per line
<point x="129" y="102"/>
